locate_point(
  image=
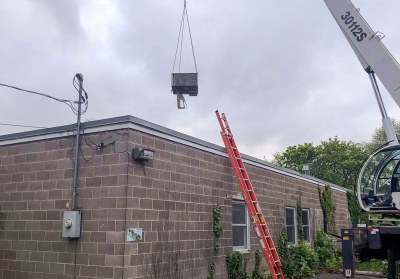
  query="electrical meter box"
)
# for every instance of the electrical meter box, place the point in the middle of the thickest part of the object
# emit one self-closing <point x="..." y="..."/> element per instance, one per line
<point x="185" y="83"/>
<point x="72" y="224"/>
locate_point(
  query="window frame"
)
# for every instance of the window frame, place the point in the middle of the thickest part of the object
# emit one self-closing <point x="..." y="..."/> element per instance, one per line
<point x="294" y="224"/>
<point x="309" y="224"/>
<point x="247" y="222"/>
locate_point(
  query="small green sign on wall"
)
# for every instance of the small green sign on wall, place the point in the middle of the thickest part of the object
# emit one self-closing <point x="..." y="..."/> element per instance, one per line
<point x="134" y="234"/>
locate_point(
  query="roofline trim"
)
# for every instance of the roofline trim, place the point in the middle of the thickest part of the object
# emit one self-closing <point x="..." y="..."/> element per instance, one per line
<point x="130" y="122"/>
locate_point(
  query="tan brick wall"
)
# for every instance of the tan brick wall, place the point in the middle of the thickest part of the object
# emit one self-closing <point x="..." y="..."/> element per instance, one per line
<point x="171" y="199"/>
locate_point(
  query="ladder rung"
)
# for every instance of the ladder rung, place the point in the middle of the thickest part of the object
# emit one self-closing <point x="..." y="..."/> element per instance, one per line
<point x="266" y="237"/>
<point x="275" y="261"/>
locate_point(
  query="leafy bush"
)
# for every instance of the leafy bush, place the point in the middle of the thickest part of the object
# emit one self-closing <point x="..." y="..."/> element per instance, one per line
<point x="328" y="255"/>
<point x="305" y="260"/>
<point x="298" y="260"/>
<point x="236" y="266"/>
<point x="257" y="273"/>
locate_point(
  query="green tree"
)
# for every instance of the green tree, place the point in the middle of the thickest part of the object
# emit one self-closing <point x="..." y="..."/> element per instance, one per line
<point x="379" y="136"/>
<point x="295" y="157"/>
<point x="335" y="161"/>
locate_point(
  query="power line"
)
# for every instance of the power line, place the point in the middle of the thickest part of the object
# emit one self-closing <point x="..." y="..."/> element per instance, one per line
<point x="69" y="103"/>
<point x="37" y="93"/>
<point x="16" y="125"/>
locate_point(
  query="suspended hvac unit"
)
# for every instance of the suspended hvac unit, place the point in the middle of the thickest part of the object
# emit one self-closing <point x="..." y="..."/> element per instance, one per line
<point x="184" y="83"/>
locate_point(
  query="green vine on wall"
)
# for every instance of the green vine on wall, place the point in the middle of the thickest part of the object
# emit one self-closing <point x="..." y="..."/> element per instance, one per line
<point x="299" y="211"/>
<point x="217" y="229"/>
<point x="356" y="214"/>
<point x="211" y="271"/>
<point x="328" y="207"/>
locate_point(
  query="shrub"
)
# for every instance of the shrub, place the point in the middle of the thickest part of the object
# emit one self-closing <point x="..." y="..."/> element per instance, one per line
<point x="305" y="260"/>
<point x="298" y="260"/>
<point x="328" y="255"/>
<point x="236" y="266"/>
<point x="257" y="273"/>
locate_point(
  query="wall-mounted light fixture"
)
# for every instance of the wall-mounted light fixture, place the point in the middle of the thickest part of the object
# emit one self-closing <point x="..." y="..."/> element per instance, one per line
<point x="142" y="154"/>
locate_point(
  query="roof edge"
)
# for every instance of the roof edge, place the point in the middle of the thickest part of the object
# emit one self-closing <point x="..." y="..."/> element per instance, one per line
<point x="95" y="126"/>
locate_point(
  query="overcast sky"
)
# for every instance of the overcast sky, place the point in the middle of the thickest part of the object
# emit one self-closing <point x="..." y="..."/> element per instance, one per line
<point x="282" y="71"/>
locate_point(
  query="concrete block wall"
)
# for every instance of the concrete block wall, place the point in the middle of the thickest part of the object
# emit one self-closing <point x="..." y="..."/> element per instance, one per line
<point x="170" y="198"/>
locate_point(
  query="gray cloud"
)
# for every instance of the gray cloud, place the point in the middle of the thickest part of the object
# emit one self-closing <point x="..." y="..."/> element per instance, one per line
<point x="282" y="71"/>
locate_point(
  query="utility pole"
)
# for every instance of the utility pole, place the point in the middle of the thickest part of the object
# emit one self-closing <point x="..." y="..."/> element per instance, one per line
<point x="72" y="219"/>
<point x="78" y="131"/>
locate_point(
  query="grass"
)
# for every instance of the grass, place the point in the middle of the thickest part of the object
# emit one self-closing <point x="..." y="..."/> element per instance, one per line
<point x="372" y="265"/>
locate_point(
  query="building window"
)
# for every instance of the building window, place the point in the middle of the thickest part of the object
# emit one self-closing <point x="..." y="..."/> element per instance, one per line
<point x="240" y="226"/>
<point x="305" y="217"/>
<point x="290" y="225"/>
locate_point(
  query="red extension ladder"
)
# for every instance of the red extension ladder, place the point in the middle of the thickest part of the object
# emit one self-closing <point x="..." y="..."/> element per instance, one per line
<point x="254" y="209"/>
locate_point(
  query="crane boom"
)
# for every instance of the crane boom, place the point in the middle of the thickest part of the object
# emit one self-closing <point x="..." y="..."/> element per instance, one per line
<point x="378" y="181"/>
<point x="371" y="52"/>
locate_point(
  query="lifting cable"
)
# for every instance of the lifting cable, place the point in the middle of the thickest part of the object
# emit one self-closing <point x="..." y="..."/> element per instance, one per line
<point x="179" y="37"/>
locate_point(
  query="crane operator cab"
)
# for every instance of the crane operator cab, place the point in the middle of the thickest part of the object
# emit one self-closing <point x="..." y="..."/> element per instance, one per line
<point x="378" y="182"/>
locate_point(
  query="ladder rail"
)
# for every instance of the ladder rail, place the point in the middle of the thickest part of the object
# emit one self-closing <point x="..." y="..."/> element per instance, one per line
<point x="252" y="204"/>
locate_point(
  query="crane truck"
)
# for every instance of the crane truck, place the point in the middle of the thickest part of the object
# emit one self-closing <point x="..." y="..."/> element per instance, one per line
<point x="377" y="187"/>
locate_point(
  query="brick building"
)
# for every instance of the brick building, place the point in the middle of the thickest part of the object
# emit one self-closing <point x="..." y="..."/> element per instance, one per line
<point x="170" y="198"/>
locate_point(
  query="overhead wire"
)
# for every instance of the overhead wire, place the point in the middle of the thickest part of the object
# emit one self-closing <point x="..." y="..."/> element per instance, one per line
<point x="85" y="101"/>
<point x="69" y="103"/>
<point x="94" y="146"/>
<point x="24" y="126"/>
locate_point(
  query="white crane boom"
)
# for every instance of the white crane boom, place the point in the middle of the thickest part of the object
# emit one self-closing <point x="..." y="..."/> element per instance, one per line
<point x="368" y="46"/>
<point x="372" y="54"/>
<point x="378" y="181"/>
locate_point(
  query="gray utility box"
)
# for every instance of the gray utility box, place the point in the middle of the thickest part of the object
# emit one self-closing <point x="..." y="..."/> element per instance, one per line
<point x="72" y="224"/>
<point x="185" y="83"/>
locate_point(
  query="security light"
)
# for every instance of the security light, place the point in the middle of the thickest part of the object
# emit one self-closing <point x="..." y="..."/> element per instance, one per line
<point x="142" y="154"/>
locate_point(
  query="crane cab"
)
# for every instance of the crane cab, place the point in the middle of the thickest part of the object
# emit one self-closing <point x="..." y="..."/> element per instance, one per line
<point x="378" y="187"/>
